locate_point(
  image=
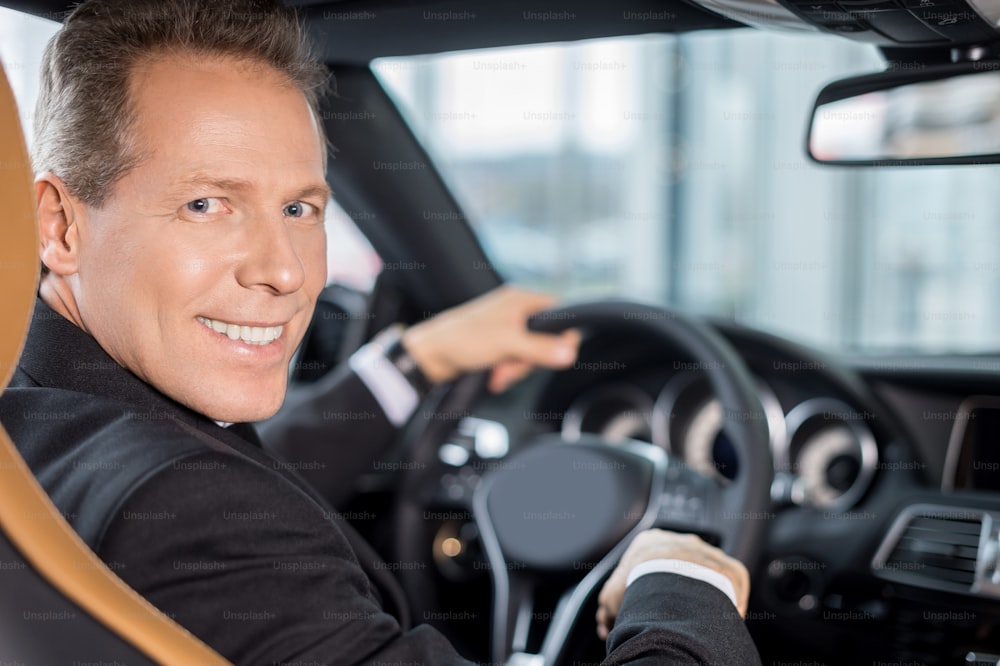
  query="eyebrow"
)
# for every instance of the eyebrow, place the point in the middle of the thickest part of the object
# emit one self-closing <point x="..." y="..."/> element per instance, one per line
<point x="322" y="191"/>
<point x="240" y="185"/>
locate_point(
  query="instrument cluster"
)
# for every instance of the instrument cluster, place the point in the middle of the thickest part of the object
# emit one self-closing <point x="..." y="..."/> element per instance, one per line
<point x="825" y="455"/>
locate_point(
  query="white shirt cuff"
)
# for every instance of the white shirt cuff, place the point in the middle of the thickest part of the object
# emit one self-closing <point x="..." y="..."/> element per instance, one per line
<point x="394" y="394"/>
<point x="684" y="568"/>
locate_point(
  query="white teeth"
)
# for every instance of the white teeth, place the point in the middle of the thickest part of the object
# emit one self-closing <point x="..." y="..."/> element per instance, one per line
<point x="252" y="335"/>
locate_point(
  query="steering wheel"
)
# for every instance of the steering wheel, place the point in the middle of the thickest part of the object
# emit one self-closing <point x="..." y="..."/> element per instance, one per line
<point x="554" y="506"/>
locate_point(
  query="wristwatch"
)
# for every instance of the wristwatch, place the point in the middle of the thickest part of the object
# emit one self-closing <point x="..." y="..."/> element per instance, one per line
<point x="390" y="341"/>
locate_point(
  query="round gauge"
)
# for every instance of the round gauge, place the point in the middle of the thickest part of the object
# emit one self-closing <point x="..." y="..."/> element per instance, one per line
<point x="630" y="424"/>
<point x="688" y="422"/>
<point x="707" y="448"/>
<point x="617" y="412"/>
<point x="828" y="465"/>
<point x="833" y="454"/>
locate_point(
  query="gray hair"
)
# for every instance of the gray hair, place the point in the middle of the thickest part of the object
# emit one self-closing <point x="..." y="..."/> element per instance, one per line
<point x="84" y="118"/>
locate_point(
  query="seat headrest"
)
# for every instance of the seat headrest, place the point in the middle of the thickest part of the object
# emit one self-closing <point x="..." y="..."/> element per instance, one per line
<point x="18" y="236"/>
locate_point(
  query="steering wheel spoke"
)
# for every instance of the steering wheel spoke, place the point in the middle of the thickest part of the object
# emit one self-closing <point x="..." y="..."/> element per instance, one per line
<point x="689" y="502"/>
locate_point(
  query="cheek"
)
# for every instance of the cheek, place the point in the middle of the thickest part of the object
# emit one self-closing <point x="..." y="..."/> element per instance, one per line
<point x="110" y="279"/>
<point x="107" y="246"/>
<point x="188" y="268"/>
<point x="178" y="268"/>
<point x="312" y="252"/>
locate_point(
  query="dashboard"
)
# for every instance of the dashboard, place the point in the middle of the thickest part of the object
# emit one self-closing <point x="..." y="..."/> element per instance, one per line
<point x="886" y="493"/>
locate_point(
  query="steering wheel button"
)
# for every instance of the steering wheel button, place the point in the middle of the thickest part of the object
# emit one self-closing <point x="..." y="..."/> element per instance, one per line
<point x="492" y="439"/>
<point x="453" y="454"/>
<point x="669" y="513"/>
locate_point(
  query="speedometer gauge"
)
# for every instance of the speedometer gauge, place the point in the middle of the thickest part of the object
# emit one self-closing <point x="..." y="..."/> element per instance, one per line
<point x="617" y="412"/>
<point x="707" y="448"/>
<point x="688" y="422"/>
<point x="833" y="454"/>
<point x="629" y="424"/>
<point x="828" y="465"/>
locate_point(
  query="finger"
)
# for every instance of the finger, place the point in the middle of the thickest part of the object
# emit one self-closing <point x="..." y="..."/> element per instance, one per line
<point x="603" y="623"/>
<point x="602" y="632"/>
<point x="613" y="592"/>
<point x="743" y="587"/>
<point x="548" y="350"/>
<point x="506" y="374"/>
<point x="528" y="302"/>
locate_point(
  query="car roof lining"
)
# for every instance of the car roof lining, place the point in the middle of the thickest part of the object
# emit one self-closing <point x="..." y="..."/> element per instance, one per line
<point x="358" y="31"/>
<point x="344" y="34"/>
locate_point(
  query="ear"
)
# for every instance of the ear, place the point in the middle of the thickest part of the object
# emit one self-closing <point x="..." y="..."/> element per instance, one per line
<point x="58" y="215"/>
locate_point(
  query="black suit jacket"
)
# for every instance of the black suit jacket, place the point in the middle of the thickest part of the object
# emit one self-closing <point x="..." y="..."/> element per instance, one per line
<point x="330" y="431"/>
<point x="229" y="541"/>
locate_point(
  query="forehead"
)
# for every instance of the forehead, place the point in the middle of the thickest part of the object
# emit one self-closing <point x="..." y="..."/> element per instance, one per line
<point x="216" y="111"/>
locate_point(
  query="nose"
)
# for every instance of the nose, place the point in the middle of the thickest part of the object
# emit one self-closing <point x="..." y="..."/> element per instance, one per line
<point x="271" y="260"/>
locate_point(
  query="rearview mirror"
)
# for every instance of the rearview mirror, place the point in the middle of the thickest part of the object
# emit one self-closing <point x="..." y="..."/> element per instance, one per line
<point x="947" y="114"/>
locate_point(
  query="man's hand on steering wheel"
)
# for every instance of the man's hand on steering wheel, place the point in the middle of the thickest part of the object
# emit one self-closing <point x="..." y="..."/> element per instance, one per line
<point x="660" y="544"/>
<point x="490" y="332"/>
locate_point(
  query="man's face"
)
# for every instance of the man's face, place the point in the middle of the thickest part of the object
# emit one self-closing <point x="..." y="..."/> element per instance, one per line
<point x="201" y="271"/>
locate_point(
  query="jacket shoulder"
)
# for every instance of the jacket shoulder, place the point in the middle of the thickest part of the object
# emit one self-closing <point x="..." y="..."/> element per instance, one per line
<point x="90" y="453"/>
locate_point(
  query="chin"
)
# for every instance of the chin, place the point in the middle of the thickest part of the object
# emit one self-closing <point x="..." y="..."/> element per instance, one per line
<point x="241" y="414"/>
<point x="248" y="407"/>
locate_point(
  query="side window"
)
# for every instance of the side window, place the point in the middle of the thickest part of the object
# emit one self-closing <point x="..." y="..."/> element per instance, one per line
<point x="350" y="258"/>
<point x="343" y="314"/>
<point x="22" y="40"/>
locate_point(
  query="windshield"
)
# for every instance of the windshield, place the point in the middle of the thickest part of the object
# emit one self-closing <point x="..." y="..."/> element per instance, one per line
<point x="672" y="170"/>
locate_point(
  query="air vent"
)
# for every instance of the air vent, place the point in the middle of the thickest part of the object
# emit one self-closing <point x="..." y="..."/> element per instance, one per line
<point x="936" y="547"/>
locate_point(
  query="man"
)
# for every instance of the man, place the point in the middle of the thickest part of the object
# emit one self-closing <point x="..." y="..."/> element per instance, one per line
<point x="180" y="198"/>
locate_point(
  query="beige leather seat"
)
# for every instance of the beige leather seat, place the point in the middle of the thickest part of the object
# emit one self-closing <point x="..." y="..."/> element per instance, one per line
<point x="59" y="604"/>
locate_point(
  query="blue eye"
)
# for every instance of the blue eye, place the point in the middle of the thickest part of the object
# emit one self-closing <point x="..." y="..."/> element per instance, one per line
<point x="298" y="209"/>
<point x="205" y="205"/>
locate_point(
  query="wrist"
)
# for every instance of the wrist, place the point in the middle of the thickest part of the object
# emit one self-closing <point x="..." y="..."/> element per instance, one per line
<point x="420" y="347"/>
<point x="390" y="342"/>
<point x="688" y="569"/>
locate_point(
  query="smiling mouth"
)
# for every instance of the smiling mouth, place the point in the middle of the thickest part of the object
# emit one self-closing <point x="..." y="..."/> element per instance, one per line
<point x="251" y="335"/>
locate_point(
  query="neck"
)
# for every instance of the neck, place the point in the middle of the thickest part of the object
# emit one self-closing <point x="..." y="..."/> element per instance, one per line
<point x="55" y="292"/>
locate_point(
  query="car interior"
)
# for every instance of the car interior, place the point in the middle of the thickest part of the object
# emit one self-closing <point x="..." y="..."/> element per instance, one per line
<point x="861" y="489"/>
